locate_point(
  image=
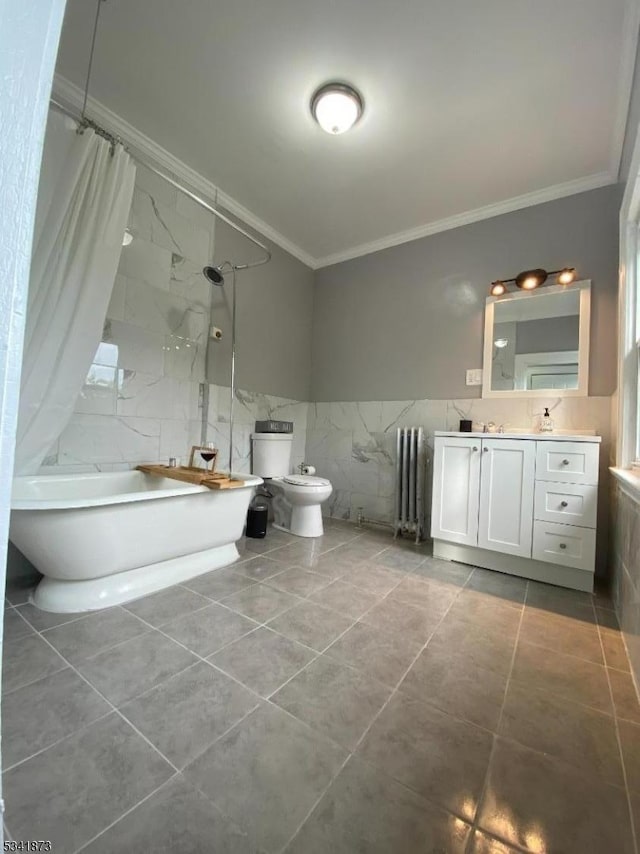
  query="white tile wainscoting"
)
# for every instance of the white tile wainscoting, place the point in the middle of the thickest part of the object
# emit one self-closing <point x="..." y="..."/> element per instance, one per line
<point x="251" y="407"/>
<point x="109" y="442"/>
<point x="353" y="444"/>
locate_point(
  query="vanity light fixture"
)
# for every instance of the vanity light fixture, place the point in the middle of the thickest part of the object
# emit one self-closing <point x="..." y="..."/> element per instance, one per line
<point x="529" y="280"/>
<point x="336" y="107"/>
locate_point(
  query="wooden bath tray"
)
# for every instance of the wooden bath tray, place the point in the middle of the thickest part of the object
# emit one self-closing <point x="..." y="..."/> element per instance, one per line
<point x="187" y="474"/>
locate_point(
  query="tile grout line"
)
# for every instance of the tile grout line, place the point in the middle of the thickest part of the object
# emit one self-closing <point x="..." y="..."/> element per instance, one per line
<point x="126" y="813"/>
<point x="218" y="669"/>
<point x="269" y="700"/>
<point x="33" y="681"/>
<point x="179" y="773"/>
<point x="357" y="620"/>
<point x="218" y="738"/>
<point x="634" y="830"/>
<point x="569" y="655"/>
<point x="317" y="655"/>
<point x="265" y="625"/>
<point x="65" y="622"/>
<point x="113" y="707"/>
<point x="351" y="753"/>
<point x="42" y="632"/>
<point x="483" y="791"/>
<point x="24" y="620"/>
<point x="58" y="741"/>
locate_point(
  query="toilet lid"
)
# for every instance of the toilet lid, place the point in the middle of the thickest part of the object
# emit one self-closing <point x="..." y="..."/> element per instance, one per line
<point x="306" y="480"/>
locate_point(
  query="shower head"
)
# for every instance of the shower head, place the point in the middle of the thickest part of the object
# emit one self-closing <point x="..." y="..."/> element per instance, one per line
<point x="214" y="275"/>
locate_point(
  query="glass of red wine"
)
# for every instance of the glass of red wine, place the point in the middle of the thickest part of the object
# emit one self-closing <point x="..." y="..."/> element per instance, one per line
<point x="208" y="453"/>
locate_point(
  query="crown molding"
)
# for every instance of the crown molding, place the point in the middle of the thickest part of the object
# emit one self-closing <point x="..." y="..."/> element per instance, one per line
<point x="70" y="96"/>
<point x="628" y="52"/>
<point x="538" y="197"/>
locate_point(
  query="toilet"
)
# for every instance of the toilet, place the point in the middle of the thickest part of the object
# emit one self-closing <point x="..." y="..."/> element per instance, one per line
<point x="297" y="497"/>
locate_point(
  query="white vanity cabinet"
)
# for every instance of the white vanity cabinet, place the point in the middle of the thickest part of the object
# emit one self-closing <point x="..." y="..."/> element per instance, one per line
<point x="518" y="503"/>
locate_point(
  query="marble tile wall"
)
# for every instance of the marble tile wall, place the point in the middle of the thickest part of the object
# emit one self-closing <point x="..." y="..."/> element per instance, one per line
<point x="250" y="407"/>
<point x="143" y="396"/>
<point x="625" y="569"/>
<point x="353" y="444"/>
<point x="140" y="399"/>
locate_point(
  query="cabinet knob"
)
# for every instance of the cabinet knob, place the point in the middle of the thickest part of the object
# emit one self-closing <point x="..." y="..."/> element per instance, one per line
<point x="564" y="504"/>
<point x="563" y="545"/>
<point x="565" y="462"/>
<point x="485" y="450"/>
<point x="475" y="448"/>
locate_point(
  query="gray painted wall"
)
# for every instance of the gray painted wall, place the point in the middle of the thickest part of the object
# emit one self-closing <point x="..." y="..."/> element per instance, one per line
<point x="274" y="321"/>
<point x="406" y="322"/>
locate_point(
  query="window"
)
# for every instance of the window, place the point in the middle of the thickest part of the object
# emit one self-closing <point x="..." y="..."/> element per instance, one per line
<point x="628" y="451"/>
<point x="633" y="307"/>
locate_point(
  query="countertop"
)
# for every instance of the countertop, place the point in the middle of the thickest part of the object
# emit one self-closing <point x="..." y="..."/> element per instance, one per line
<point x="556" y="436"/>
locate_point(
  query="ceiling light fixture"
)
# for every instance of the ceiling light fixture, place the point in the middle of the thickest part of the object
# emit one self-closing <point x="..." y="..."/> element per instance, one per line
<point x="501" y="343"/>
<point x="127" y="237"/>
<point x="336" y="107"/>
<point x="529" y="280"/>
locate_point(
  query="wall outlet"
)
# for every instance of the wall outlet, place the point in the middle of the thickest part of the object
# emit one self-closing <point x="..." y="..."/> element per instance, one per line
<point x="474" y="376"/>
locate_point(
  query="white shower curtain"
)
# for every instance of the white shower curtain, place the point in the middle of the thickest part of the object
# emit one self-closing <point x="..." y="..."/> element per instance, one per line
<point x="83" y="206"/>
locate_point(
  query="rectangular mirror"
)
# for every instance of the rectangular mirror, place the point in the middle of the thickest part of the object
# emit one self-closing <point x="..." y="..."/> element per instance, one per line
<point x="536" y="343"/>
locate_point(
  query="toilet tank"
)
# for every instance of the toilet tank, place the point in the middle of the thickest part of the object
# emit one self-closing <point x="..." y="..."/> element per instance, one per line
<point x="271" y="454"/>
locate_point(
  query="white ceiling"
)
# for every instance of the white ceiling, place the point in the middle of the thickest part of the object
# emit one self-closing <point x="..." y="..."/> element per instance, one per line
<point x="472" y="108"/>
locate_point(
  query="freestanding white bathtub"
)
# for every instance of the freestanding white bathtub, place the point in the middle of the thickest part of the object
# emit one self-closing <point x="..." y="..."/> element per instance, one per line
<point x="104" y="539"/>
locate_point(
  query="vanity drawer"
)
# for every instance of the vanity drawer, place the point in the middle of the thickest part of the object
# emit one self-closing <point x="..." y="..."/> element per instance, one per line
<point x="567" y="462"/>
<point x="564" y="544"/>
<point x="566" y="503"/>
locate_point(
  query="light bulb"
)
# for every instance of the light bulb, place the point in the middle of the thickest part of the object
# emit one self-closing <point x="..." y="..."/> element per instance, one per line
<point x="497" y="289"/>
<point x="529" y="280"/>
<point x="336" y="107"/>
<point x="566" y="276"/>
<point x="529" y="283"/>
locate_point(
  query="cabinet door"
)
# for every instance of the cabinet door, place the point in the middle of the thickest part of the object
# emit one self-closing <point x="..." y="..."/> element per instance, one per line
<point x="506" y="496"/>
<point x="456" y="486"/>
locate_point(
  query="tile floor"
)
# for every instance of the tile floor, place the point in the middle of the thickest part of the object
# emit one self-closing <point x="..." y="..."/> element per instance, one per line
<point x="342" y="695"/>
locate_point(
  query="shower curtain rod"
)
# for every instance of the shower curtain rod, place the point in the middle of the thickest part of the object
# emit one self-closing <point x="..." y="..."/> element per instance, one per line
<point x="148" y="164"/>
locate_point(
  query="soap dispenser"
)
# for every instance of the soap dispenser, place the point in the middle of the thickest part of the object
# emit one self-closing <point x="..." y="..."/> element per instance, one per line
<point x="546" y="422"/>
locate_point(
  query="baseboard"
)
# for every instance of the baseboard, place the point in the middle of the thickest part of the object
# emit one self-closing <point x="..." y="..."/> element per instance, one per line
<point x="536" y="570"/>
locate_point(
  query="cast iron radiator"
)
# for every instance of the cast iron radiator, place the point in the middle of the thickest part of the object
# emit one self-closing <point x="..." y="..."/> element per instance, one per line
<point x="410" y="482"/>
